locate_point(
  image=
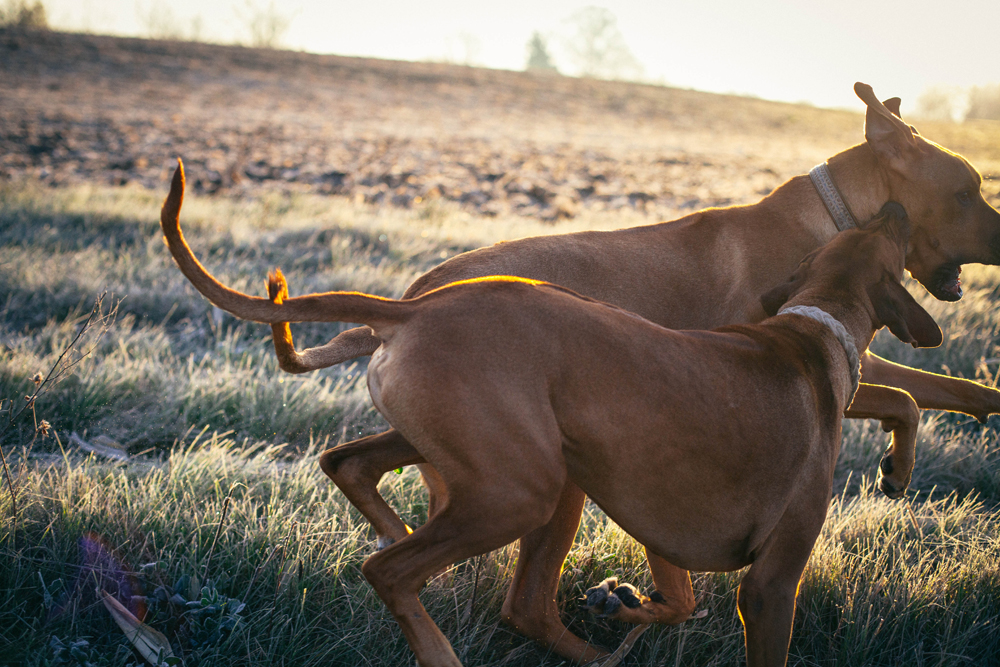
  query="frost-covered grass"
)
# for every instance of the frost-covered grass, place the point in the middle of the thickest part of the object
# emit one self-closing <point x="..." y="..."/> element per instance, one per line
<point x="223" y="452"/>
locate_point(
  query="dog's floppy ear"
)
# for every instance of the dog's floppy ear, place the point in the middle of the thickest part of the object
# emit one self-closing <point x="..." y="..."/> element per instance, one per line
<point x="890" y="138"/>
<point x="775" y="298"/>
<point x="896" y="309"/>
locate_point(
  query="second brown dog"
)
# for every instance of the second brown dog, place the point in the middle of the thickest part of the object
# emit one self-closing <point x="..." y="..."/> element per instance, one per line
<point x="713" y="449"/>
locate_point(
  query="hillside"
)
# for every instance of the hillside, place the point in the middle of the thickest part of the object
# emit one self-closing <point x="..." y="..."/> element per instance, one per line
<point x="86" y="108"/>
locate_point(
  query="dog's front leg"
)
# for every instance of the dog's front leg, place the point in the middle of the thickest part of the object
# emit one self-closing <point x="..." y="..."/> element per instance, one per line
<point x="898" y="414"/>
<point x="766" y="596"/>
<point x="932" y="391"/>
<point x="766" y="601"/>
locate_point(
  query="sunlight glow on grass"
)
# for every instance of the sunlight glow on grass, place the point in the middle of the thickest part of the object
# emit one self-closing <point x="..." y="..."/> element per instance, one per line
<point x="216" y="431"/>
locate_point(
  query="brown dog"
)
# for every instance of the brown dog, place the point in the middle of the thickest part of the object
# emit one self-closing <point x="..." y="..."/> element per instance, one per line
<point x="701" y="271"/>
<point x="510" y="387"/>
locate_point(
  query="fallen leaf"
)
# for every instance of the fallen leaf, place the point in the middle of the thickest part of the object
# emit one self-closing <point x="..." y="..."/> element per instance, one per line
<point x="152" y="645"/>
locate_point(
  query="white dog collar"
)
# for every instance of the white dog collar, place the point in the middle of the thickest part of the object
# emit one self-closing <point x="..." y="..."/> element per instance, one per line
<point x="832" y="199"/>
<point x="838" y="329"/>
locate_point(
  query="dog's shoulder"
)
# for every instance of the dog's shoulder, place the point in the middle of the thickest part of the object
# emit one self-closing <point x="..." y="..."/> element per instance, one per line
<point x="786" y="345"/>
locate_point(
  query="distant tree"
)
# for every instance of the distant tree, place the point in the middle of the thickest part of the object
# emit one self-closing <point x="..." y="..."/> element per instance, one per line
<point x="464" y="49"/>
<point x="984" y="103"/>
<point x="197" y="26"/>
<point x="937" y="103"/>
<point x="538" y="54"/>
<point x="24" y="15"/>
<point x="264" y="22"/>
<point x="158" y="20"/>
<point x="598" y="47"/>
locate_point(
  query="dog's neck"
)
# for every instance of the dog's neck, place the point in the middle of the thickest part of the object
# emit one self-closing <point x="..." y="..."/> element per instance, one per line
<point x="861" y="181"/>
<point x="862" y="185"/>
<point x="834" y="202"/>
<point x="842" y="335"/>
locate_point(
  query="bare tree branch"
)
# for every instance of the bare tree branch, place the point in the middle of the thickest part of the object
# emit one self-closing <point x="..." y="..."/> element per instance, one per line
<point x="598" y="47"/>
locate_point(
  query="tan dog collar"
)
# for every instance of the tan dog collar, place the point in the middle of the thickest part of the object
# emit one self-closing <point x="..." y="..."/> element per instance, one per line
<point x="832" y="199"/>
<point x="838" y="329"/>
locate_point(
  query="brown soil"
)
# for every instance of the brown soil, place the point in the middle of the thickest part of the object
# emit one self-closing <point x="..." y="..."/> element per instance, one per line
<point x="86" y="108"/>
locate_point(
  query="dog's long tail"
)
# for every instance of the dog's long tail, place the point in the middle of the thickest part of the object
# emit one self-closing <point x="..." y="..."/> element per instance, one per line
<point x="291" y="360"/>
<point x="377" y="312"/>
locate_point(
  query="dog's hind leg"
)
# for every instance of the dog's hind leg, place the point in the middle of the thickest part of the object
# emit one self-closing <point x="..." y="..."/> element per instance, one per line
<point x="477" y="518"/>
<point x="530" y="606"/>
<point x="356" y="468"/>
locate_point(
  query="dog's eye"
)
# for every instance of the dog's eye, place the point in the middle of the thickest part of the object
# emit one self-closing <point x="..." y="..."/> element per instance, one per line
<point x="964" y="198"/>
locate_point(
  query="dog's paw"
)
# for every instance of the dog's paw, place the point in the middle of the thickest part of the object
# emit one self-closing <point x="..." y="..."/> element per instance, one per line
<point x="623" y="602"/>
<point x="892" y="488"/>
<point x="890" y="491"/>
<point x="609" y="597"/>
<point x="596" y="596"/>
<point x="629" y="595"/>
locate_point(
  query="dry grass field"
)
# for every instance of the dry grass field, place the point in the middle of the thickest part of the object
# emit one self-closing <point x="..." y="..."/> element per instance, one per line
<point x="179" y="472"/>
<point x="88" y="109"/>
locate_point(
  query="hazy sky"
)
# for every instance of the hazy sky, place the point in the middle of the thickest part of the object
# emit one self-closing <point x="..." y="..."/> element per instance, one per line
<point x="789" y="50"/>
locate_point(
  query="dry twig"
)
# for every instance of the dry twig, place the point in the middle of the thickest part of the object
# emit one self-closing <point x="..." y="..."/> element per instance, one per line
<point x="60" y="368"/>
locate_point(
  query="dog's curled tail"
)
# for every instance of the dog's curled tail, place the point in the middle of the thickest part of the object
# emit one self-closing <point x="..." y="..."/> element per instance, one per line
<point x="379" y="313"/>
<point x="241" y="305"/>
<point x="277" y="308"/>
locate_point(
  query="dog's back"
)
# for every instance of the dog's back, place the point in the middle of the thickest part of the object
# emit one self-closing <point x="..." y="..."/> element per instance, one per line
<point x="619" y="403"/>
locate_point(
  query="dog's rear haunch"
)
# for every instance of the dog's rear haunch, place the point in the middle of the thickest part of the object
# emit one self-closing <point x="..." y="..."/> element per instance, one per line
<point x="511" y="387"/>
